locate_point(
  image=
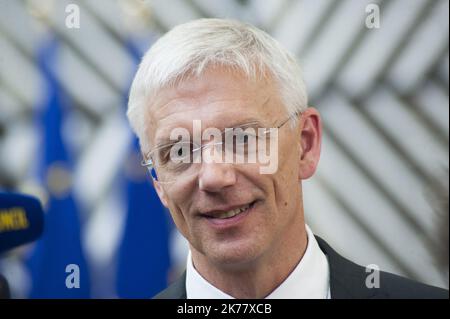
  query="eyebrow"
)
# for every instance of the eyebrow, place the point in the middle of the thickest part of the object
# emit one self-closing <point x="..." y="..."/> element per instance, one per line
<point x="247" y="121"/>
<point x="239" y="123"/>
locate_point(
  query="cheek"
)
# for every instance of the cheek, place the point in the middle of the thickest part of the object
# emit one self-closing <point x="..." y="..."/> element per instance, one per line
<point x="290" y="164"/>
<point x="179" y="206"/>
<point x="285" y="183"/>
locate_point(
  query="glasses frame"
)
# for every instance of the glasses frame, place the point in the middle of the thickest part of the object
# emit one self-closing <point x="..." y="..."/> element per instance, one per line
<point x="152" y="169"/>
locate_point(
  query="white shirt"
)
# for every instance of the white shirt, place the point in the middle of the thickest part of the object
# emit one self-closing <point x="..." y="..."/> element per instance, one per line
<point x="310" y="279"/>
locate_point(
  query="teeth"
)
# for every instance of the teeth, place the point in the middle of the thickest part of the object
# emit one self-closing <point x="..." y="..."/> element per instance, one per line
<point x="233" y="212"/>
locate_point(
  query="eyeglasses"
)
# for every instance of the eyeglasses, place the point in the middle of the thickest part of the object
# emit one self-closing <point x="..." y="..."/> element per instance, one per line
<point x="181" y="160"/>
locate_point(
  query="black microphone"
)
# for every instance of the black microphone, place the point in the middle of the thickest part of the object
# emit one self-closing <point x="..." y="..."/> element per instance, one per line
<point x="21" y="220"/>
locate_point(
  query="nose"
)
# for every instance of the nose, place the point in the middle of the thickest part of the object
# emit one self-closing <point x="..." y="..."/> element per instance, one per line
<point x="213" y="177"/>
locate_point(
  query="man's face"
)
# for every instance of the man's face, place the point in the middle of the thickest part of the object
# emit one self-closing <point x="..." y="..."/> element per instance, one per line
<point x="222" y="99"/>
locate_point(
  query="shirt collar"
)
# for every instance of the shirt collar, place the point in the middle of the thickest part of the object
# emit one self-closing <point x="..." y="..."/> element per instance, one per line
<point x="308" y="280"/>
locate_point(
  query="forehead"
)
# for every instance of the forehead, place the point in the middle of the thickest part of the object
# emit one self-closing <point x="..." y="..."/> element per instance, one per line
<point x="219" y="98"/>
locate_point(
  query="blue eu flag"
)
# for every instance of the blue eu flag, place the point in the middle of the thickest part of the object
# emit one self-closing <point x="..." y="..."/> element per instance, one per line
<point x="144" y="259"/>
<point x="57" y="265"/>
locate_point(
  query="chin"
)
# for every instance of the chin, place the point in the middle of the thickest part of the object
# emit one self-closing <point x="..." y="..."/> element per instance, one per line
<point x="233" y="254"/>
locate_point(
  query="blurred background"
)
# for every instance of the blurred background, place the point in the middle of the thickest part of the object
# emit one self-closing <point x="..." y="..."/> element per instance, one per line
<point x="380" y="195"/>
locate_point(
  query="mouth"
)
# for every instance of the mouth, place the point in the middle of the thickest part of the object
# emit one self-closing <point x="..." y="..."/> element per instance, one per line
<point x="230" y="217"/>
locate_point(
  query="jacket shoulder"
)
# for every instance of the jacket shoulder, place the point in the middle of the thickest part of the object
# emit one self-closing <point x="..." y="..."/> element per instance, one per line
<point x="177" y="290"/>
<point x="394" y="286"/>
<point x="348" y="280"/>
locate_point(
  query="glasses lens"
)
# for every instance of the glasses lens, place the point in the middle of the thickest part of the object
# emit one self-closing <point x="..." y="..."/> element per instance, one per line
<point x="180" y="161"/>
<point x="175" y="161"/>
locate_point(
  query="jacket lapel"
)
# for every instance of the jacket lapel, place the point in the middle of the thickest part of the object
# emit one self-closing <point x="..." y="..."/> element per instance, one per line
<point x="347" y="279"/>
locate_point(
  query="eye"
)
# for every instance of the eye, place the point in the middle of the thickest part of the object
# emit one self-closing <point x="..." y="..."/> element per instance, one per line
<point x="181" y="151"/>
<point x="163" y="155"/>
<point x="244" y="137"/>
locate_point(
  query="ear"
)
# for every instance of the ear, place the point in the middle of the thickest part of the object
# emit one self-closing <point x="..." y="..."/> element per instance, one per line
<point x="161" y="193"/>
<point x="310" y="126"/>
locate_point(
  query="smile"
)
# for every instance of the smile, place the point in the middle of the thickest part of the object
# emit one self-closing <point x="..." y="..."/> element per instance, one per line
<point x="233" y="212"/>
<point x="222" y="220"/>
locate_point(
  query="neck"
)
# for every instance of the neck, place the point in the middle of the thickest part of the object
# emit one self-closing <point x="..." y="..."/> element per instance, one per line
<point x="263" y="275"/>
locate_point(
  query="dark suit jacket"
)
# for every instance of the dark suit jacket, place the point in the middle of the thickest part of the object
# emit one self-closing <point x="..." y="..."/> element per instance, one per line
<point x="4" y="288"/>
<point x="347" y="281"/>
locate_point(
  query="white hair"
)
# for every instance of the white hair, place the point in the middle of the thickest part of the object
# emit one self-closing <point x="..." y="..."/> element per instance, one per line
<point x="188" y="49"/>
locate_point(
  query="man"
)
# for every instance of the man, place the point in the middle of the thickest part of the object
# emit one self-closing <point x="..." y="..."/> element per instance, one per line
<point x="244" y="222"/>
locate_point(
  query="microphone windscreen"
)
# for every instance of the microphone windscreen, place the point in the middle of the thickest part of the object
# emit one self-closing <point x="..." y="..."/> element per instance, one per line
<point x="21" y="220"/>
